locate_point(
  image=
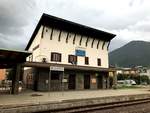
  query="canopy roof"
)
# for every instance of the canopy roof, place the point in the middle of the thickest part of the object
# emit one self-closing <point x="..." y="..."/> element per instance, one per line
<point x="9" y="58"/>
<point x="67" y="66"/>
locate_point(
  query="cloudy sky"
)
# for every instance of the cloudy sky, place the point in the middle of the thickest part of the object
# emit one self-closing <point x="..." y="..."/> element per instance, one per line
<point x="129" y="19"/>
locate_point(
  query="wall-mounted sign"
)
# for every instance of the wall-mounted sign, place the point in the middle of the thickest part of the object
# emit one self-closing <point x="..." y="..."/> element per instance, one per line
<point x="64" y="80"/>
<point x="80" y="52"/>
<point x="55" y="68"/>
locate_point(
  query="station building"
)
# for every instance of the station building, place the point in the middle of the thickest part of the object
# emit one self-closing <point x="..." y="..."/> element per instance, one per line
<point x="67" y="56"/>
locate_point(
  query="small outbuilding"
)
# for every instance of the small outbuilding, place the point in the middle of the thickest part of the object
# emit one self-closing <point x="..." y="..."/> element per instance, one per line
<point x="13" y="59"/>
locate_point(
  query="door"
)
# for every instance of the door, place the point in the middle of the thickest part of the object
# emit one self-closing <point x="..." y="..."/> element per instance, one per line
<point x="55" y="81"/>
<point x="99" y="82"/>
<point x="86" y="81"/>
<point x="72" y="81"/>
<point x="40" y="80"/>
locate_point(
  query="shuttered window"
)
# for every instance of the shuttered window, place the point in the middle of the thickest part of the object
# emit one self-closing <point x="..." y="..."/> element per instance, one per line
<point x="86" y="60"/>
<point x="56" y="57"/>
<point x="72" y="59"/>
<point x="99" y="62"/>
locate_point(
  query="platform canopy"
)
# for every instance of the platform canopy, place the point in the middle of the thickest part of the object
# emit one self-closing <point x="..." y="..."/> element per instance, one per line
<point x="10" y="58"/>
<point x="67" y="66"/>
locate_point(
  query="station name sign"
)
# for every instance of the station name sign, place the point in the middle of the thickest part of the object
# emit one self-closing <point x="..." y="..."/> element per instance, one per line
<point x="80" y="52"/>
<point x="56" y="68"/>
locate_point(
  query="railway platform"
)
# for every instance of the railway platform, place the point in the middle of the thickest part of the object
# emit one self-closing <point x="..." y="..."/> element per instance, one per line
<point x="30" y="101"/>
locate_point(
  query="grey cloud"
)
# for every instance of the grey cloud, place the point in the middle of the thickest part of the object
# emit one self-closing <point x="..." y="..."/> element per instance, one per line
<point x="10" y="43"/>
<point x="116" y="43"/>
<point x="72" y="11"/>
<point x="132" y="2"/>
<point x="13" y="16"/>
<point x="141" y="26"/>
<point x="18" y="18"/>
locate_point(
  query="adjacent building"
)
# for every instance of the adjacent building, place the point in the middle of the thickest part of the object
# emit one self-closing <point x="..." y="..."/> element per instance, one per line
<point x="67" y="56"/>
<point x="143" y="71"/>
<point x="2" y="74"/>
<point x="127" y="71"/>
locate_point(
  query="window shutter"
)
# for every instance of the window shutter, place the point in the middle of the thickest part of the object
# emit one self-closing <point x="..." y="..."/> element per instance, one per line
<point x="52" y="57"/>
<point x="75" y="59"/>
<point x="86" y="60"/>
<point x="59" y="57"/>
<point x="56" y="57"/>
<point x="99" y="62"/>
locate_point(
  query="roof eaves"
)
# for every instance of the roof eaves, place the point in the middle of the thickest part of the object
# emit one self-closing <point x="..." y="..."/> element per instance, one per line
<point x="56" y="19"/>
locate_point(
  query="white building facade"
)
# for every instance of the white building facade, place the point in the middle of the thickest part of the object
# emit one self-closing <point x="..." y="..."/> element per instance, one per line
<point x="68" y="45"/>
<point x="81" y="51"/>
<point x="143" y="71"/>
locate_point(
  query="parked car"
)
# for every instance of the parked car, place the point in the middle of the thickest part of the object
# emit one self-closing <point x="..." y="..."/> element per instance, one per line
<point x="132" y="82"/>
<point x="126" y="82"/>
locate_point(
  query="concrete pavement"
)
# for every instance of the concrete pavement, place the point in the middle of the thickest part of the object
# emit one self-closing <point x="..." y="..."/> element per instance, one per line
<point x="31" y="97"/>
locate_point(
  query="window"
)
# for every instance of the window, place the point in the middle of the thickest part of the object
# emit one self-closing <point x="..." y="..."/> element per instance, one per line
<point x="56" y="57"/>
<point x="86" y="60"/>
<point x="72" y="59"/>
<point x="99" y="62"/>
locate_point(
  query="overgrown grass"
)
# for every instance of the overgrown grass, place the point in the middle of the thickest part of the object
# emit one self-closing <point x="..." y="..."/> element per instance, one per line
<point x="128" y="87"/>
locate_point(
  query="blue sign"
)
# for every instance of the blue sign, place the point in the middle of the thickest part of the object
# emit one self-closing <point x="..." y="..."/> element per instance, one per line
<point x="80" y="53"/>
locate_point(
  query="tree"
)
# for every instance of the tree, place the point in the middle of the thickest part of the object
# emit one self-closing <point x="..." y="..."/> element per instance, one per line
<point x="144" y="79"/>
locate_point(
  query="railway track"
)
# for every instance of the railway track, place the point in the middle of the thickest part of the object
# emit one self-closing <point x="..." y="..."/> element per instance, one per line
<point x="91" y="108"/>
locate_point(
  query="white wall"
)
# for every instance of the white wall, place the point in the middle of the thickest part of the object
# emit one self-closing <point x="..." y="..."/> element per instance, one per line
<point x="47" y="46"/>
<point x="35" y="42"/>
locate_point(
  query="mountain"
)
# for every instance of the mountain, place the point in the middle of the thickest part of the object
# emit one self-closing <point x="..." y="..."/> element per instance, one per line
<point x="135" y="53"/>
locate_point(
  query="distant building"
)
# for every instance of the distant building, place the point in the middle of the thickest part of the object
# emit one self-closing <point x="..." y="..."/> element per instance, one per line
<point x="143" y="71"/>
<point x="68" y="56"/>
<point x="127" y="71"/>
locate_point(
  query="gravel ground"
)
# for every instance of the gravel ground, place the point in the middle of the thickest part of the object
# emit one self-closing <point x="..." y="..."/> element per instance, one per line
<point x="140" y="108"/>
